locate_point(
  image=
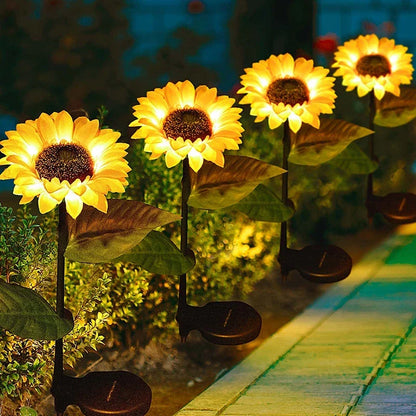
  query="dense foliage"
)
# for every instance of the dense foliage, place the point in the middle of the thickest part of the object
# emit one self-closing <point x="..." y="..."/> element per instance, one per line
<point x="28" y="253"/>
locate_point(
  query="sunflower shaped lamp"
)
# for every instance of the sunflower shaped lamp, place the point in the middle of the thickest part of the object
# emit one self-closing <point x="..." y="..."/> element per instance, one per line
<point x="293" y="93"/>
<point x="70" y="163"/>
<point x="194" y="126"/>
<point x="378" y="67"/>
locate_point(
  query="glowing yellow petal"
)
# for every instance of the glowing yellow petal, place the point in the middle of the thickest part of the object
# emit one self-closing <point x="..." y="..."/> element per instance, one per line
<point x="295" y="122"/>
<point x="31" y="138"/>
<point x="47" y="128"/>
<point x="172" y="158"/>
<point x="362" y="90"/>
<point x="140" y="133"/>
<point x="188" y="94"/>
<point x="73" y="204"/>
<point x="288" y="65"/>
<point x="348" y="55"/>
<point x="9" y="173"/>
<point x="102" y="204"/>
<point x="209" y="154"/>
<point x="31" y="190"/>
<point x="53" y="185"/>
<point x="183" y="96"/>
<point x="60" y="193"/>
<point x="108" y="171"/>
<point x="274" y="121"/>
<point x="195" y="160"/>
<point x="46" y="203"/>
<point x="90" y="197"/>
<point x="379" y="91"/>
<point x="78" y="124"/>
<point x="320" y="95"/>
<point x="88" y="130"/>
<point x="25" y="199"/>
<point x="64" y="126"/>
<point x="173" y="96"/>
<point x="220" y="159"/>
<point x="205" y="96"/>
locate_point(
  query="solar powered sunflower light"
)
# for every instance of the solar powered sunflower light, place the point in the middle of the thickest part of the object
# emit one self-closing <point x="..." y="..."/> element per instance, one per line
<point x="293" y="93"/>
<point x="73" y="164"/>
<point x="194" y="126"/>
<point x="378" y="67"/>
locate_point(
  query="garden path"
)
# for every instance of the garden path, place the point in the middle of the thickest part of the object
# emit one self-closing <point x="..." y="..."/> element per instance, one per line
<point x="352" y="352"/>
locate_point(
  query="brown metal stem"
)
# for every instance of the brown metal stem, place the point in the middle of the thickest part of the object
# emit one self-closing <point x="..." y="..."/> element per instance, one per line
<point x="186" y="191"/>
<point x="285" y="186"/>
<point x="60" y="293"/>
<point x="371" y="146"/>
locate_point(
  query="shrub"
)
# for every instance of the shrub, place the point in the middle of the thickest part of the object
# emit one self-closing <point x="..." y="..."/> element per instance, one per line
<point x="28" y="253"/>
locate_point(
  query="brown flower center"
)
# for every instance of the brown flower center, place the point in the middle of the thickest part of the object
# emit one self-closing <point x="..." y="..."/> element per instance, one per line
<point x="374" y="65"/>
<point x="289" y="91"/>
<point x="65" y="162"/>
<point x="188" y="123"/>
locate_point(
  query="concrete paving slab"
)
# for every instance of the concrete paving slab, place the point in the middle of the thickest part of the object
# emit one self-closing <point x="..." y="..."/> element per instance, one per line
<point x="353" y="352"/>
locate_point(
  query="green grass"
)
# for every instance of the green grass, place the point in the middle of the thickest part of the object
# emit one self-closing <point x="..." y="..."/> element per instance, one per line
<point x="405" y="254"/>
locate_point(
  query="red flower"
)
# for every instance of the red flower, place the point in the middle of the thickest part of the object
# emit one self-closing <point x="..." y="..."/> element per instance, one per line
<point x="326" y="44"/>
<point x="196" y="6"/>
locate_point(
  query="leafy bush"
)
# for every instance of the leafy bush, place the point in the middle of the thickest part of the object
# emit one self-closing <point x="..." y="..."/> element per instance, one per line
<point x="28" y="253"/>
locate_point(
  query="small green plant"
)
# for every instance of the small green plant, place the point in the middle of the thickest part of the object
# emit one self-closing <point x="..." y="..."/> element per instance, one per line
<point x="28" y="257"/>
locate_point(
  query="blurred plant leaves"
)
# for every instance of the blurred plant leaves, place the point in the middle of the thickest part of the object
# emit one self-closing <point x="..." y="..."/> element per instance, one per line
<point x="25" y="313"/>
<point x="354" y="161"/>
<point x="156" y="253"/>
<point x="214" y="187"/>
<point x="392" y="111"/>
<point x="263" y="205"/>
<point x="28" y="411"/>
<point x="96" y="237"/>
<point x="313" y="147"/>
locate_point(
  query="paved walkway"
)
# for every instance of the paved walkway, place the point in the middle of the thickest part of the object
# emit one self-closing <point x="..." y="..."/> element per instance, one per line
<point x="353" y="352"/>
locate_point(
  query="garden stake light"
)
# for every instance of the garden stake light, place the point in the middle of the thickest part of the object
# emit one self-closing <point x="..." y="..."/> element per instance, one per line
<point x="292" y="92"/>
<point x="194" y="125"/>
<point x="396" y="207"/>
<point x="319" y="264"/>
<point x="70" y="163"/>
<point x="378" y="67"/>
<point x="225" y="323"/>
<point x="60" y="308"/>
<point x="97" y="393"/>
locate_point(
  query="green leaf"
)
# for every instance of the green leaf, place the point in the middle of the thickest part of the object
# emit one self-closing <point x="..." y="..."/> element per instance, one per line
<point x="214" y="187"/>
<point x="158" y="254"/>
<point x="313" y="147"/>
<point x="95" y="237"/>
<point x="263" y="205"/>
<point x="354" y="161"/>
<point x="25" y="313"/>
<point x="392" y="111"/>
<point x="28" y="411"/>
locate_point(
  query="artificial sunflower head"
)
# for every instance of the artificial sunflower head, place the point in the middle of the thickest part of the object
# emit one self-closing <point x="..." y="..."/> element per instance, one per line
<point x="181" y="121"/>
<point x="282" y="88"/>
<point x="56" y="158"/>
<point x="372" y="64"/>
